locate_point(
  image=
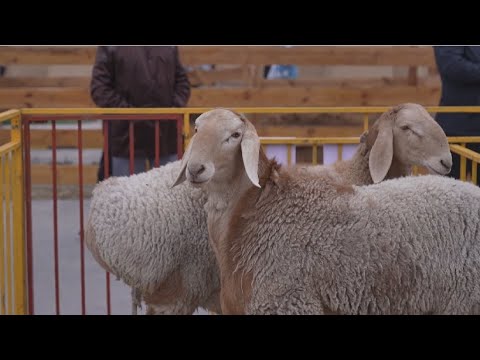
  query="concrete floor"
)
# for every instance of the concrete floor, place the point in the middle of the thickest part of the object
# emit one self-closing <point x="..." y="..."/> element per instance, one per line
<point x="69" y="265"/>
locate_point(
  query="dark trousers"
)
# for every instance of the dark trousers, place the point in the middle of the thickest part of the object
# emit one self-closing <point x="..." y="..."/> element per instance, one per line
<point x="101" y="166"/>
<point x="266" y="69"/>
<point x="455" y="173"/>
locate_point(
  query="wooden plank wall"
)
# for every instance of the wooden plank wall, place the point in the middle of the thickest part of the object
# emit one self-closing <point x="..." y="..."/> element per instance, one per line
<point x="235" y="80"/>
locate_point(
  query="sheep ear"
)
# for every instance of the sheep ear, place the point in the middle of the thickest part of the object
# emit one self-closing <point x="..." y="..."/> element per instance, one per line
<point x="381" y="155"/>
<point x="186" y="156"/>
<point x="250" y="152"/>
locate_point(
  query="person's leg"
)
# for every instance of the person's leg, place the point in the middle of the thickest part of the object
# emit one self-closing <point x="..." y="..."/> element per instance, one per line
<point x="476" y="148"/>
<point x="266" y="70"/>
<point x="455" y="172"/>
<point x="110" y="141"/>
<point x="101" y="166"/>
<point x="121" y="166"/>
<point x="100" y="171"/>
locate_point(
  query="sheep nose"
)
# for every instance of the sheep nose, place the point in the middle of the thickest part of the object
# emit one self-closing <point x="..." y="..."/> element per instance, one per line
<point x="196" y="170"/>
<point x="447" y="164"/>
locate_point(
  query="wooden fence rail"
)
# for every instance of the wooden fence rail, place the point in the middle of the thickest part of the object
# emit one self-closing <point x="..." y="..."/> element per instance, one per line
<point x="237" y="78"/>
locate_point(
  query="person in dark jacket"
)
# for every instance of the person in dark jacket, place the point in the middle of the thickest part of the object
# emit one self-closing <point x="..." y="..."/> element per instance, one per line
<point x="459" y="68"/>
<point x="139" y="76"/>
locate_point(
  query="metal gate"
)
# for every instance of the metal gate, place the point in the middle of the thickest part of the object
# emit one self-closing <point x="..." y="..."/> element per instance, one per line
<point x="13" y="295"/>
<point x="78" y="117"/>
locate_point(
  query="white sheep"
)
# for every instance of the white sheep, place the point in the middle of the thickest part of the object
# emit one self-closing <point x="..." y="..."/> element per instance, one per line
<point x="145" y="233"/>
<point x="402" y="137"/>
<point x="151" y="237"/>
<point x="290" y="242"/>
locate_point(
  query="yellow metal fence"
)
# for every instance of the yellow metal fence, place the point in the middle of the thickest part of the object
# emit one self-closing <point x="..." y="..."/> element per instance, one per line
<point x="13" y="281"/>
<point x="467" y="174"/>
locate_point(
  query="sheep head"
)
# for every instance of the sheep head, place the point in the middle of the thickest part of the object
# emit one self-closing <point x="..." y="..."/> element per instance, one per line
<point x="409" y="134"/>
<point x="225" y="143"/>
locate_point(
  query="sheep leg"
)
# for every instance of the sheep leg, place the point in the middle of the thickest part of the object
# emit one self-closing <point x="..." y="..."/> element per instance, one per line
<point x="136" y="301"/>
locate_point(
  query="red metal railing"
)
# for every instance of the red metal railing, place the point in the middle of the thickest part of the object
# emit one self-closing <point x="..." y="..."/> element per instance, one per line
<point x="28" y="119"/>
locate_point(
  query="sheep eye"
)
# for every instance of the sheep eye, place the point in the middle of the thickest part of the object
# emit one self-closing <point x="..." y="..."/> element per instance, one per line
<point x="196" y="129"/>
<point x="236" y="135"/>
<point x="404" y="127"/>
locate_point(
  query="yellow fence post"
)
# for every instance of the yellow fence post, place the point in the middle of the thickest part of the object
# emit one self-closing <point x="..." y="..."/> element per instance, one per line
<point x="474" y="172"/>
<point x="339" y="152"/>
<point x="315" y="154"/>
<point x="13" y="283"/>
<point x="186" y="128"/>
<point x="19" y="249"/>
<point x="8" y="232"/>
<point x="289" y="154"/>
<point x="2" y="244"/>
<point x="365" y="122"/>
<point x="463" y="166"/>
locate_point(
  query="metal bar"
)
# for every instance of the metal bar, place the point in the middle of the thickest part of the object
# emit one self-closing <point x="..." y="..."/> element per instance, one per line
<point x="8" y="232"/>
<point x="86" y="117"/>
<point x="343" y="140"/>
<point x="289" y="154"/>
<point x="28" y="217"/>
<point x="463" y="166"/>
<point x="365" y="122"/>
<point x="131" y="153"/>
<point x="106" y="153"/>
<point x="298" y="140"/>
<point x="180" y="135"/>
<point x="55" y="218"/>
<point x="474" y="172"/>
<point x="7" y="115"/>
<point x="310" y="141"/>
<point x="2" y="241"/>
<point x="463" y="139"/>
<point x="8" y="148"/>
<point x="157" y="143"/>
<point x="314" y="154"/>
<point x="19" y="258"/>
<point x="106" y="173"/>
<point x="469" y="154"/>
<point x="131" y="141"/>
<point x="82" y="246"/>
<point x="186" y="129"/>
<point x="339" y="152"/>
